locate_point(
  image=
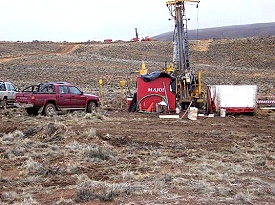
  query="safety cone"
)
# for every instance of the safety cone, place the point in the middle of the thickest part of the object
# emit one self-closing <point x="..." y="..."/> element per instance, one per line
<point x="150" y="108"/>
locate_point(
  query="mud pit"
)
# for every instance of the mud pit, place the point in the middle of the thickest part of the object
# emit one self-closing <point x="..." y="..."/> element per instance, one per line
<point x="116" y="157"/>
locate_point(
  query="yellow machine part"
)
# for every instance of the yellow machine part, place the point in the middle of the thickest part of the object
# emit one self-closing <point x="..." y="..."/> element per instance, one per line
<point x="174" y="2"/>
<point x="143" y="70"/>
<point x="169" y="68"/>
<point x="197" y="88"/>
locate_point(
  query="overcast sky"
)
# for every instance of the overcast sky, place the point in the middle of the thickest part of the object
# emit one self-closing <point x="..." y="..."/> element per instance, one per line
<point x="82" y="20"/>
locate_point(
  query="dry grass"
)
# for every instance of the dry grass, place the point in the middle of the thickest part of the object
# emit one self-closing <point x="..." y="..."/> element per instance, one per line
<point x="112" y="171"/>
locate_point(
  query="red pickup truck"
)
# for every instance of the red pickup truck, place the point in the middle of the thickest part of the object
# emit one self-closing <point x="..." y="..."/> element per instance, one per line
<point x="54" y="97"/>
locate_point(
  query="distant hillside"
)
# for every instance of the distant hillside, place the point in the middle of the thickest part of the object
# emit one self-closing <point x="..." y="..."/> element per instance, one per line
<point x="237" y="31"/>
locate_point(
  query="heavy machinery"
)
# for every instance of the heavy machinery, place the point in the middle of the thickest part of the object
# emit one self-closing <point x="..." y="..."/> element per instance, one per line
<point x="179" y="85"/>
<point x="135" y="39"/>
<point x="188" y="79"/>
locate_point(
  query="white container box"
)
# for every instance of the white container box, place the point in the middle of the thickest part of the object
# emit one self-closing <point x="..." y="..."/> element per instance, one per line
<point x="234" y="98"/>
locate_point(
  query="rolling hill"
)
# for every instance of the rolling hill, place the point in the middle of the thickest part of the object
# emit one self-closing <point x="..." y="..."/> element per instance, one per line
<point x="236" y="31"/>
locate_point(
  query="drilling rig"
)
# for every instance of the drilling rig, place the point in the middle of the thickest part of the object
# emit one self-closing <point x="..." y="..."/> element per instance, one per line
<point x="135" y="39"/>
<point x="188" y="79"/>
<point x="178" y="85"/>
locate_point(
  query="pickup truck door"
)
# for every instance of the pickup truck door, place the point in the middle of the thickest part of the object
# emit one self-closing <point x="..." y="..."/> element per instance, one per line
<point x="63" y="97"/>
<point x="78" y="100"/>
<point x="11" y="91"/>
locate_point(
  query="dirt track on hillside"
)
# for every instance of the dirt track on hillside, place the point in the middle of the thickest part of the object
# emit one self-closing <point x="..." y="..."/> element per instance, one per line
<point x="66" y="49"/>
<point x="117" y="157"/>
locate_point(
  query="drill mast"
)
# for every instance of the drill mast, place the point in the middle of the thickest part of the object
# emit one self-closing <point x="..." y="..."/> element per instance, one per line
<point x="188" y="81"/>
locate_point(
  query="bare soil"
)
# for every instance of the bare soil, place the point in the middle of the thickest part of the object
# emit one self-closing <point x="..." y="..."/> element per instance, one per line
<point x="117" y="157"/>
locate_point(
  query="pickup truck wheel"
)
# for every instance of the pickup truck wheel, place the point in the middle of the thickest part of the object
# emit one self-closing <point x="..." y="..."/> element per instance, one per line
<point x="91" y="107"/>
<point x="50" y="109"/>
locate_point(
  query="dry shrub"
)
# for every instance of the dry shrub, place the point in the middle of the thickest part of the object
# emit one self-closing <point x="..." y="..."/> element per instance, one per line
<point x="91" y="133"/>
<point x="27" y="200"/>
<point x="96" y="151"/>
<point x="128" y="175"/>
<point x="10" y="196"/>
<point x="114" y="104"/>
<point x="63" y="201"/>
<point x="31" y="131"/>
<point x="19" y="150"/>
<point x="88" y="190"/>
<point x="94" y="115"/>
<point x="242" y="198"/>
<point x="73" y="168"/>
<point x="110" y="191"/>
<point x="31" y="179"/>
<point x="272" y="117"/>
<point x="85" y="190"/>
<point x="35" y="167"/>
<point x="14" y="136"/>
<point x="202" y="186"/>
<point x="158" y="185"/>
<point x="54" y="131"/>
<point x="23" y="198"/>
<point x="75" y="145"/>
<point x="91" y="151"/>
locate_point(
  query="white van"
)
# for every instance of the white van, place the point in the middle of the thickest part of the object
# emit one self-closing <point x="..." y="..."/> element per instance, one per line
<point x="7" y="93"/>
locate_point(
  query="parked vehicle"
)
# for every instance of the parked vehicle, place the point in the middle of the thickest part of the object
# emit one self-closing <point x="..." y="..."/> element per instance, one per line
<point x="52" y="98"/>
<point x="7" y="93"/>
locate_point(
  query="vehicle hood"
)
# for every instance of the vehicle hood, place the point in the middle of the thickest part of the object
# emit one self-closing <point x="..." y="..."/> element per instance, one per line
<point x="91" y="95"/>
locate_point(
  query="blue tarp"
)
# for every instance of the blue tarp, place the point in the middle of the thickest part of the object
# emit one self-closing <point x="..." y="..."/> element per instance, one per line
<point x="153" y="75"/>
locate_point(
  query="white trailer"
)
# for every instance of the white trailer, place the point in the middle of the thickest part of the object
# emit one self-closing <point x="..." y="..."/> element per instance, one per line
<point x="234" y="98"/>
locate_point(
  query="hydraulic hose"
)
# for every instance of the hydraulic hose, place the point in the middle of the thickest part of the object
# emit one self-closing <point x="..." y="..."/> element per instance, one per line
<point x="146" y="96"/>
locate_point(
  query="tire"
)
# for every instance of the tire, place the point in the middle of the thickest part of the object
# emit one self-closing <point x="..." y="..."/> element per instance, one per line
<point x="50" y="109"/>
<point x="4" y="103"/>
<point x="32" y="111"/>
<point x="91" y="107"/>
